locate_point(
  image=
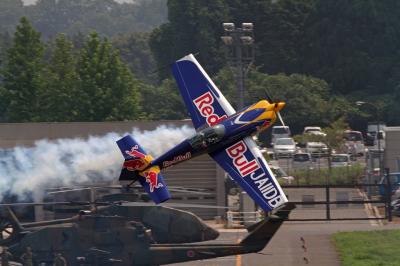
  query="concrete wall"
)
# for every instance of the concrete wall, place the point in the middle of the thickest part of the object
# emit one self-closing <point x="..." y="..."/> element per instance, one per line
<point x="392" y="148"/>
<point x="201" y="172"/>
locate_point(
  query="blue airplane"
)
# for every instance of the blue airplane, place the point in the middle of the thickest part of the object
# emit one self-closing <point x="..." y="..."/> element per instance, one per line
<point x="220" y="131"/>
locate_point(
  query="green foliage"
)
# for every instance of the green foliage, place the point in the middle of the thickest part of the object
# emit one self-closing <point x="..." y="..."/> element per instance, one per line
<point x="368" y="248"/>
<point x="280" y="35"/>
<point x="334" y="134"/>
<point x="107" y="17"/>
<point x="23" y="74"/>
<point x="135" y="52"/>
<point x="356" y="48"/>
<point x="107" y="89"/>
<point x="163" y="102"/>
<point x="335" y="176"/>
<point x="61" y="85"/>
<point x="193" y="27"/>
<point x="307" y="98"/>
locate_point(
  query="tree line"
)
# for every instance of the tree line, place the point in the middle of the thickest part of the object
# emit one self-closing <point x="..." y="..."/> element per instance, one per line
<point x="352" y="45"/>
<point x="107" y="17"/>
<point x="318" y="55"/>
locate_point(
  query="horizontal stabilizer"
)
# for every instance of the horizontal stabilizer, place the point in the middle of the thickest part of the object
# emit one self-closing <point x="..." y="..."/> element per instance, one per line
<point x="137" y="167"/>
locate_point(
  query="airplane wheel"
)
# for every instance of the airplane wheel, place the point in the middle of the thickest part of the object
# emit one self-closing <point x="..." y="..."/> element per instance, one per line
<point x="8" y="231"/>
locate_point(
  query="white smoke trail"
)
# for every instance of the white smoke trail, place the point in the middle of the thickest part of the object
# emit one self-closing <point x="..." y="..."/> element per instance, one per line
<point x="65" y="162"/>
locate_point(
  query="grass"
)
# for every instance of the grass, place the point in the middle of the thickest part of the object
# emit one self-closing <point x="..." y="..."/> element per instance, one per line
<point x="368" y="248"/>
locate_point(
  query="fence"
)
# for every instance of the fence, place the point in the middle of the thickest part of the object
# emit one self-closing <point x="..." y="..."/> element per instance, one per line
<point x="338" y="202"/>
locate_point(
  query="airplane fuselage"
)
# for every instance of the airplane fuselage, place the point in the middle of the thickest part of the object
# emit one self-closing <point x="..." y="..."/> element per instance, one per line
<point x="222" y="133"/>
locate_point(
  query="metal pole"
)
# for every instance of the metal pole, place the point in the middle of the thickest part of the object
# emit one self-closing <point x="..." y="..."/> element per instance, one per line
<point x="328" y="206"/>
<point x="239" y="65"/>
<point x="238" y="39"/>
<point x="389" y="194"/>
<point x="379" y="146"/>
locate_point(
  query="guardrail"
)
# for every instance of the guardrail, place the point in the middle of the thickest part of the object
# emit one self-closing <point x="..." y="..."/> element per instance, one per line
<point x="241" y="219"/>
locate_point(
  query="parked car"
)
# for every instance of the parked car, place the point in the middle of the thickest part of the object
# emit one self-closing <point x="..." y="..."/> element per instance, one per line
<point x="280" y="174"/>
<point x="314" y="131"/>
<point x="340" y="160"/>
<point x="279" y="132"/>
<point x="302" y="160"/>
<point x="394" y="184"/>
<point x="354" y="142"/>
<point x="317" y="149"/>
<point x="284" y="147"/>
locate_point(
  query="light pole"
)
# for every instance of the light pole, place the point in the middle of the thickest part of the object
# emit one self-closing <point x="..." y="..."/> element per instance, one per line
<point x="377" y="117"/>
<point x="239" y="50"/>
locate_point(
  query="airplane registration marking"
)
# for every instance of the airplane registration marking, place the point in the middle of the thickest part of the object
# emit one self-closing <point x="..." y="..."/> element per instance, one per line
<point x="204" y="105"/>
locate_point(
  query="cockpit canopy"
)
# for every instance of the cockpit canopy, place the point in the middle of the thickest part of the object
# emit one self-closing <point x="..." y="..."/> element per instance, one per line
<point x="207" y="136"/>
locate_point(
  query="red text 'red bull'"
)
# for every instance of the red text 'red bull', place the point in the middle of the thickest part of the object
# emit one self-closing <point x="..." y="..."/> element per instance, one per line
<point x="204" y="104"/>
<point x="249" y="170"/>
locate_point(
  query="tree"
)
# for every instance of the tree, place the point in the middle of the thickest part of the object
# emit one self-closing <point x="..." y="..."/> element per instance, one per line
<point x="353" y="45"/>
<point x="23" y="74"/>
<point x="135" y="52"/>
<point x="307" y="98"/>
<point x="193" y="27"/>
<point x="107" y="89"/>
<point x="58" y="95"/>
<point x="163" y="102"/>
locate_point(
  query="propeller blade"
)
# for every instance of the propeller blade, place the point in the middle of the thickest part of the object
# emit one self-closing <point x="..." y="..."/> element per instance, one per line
<point x="268" y="96"/>
<point x="176" y="205"/>
<point x="280" y="118"/>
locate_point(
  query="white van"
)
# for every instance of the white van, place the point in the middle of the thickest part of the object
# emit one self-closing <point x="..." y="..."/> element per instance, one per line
<point x="279" y="132"/>
<point x="340" y="160"/>
<point x="354" y="140"/>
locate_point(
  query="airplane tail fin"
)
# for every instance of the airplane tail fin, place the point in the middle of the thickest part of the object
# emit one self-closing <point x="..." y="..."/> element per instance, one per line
<point x="262" y="232"/>
<point x="137" y="167"/>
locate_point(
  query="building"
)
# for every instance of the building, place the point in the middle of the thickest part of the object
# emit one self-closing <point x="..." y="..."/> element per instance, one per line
<point x="391" y="156"/>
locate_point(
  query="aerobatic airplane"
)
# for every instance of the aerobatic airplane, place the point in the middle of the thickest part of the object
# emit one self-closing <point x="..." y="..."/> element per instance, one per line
<point x="220" y="131"/>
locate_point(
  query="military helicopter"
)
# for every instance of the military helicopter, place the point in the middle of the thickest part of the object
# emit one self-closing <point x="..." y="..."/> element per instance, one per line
<point x="97" y="239"/>
<point x="168" y="224"/>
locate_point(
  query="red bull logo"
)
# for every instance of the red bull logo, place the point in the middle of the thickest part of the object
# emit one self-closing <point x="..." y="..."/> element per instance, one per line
<point x="152" y="178"/>
<point x="134" y="164"/>
<point x="236" y="153"/>
<point x="204" y="105"/>
<point x="134" y="152"/>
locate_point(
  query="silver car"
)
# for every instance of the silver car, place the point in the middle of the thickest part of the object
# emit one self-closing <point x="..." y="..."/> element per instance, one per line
<point x="317" y="149"/>
<point x="284" y="147"/>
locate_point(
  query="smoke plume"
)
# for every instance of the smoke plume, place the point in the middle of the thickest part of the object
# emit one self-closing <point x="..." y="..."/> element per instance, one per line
<point x="66" y="162"/>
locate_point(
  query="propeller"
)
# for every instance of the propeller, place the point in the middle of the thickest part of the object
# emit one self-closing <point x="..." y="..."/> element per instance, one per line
<point x="277" y="108"/>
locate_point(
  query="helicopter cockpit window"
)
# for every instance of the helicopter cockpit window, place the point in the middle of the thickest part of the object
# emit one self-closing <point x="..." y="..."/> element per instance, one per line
<point x="207" y="136"/>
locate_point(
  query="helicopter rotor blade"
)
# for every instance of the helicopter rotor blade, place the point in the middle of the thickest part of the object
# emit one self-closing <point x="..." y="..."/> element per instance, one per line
<point x="106" y="203"/>
<point x="176" y="205"/>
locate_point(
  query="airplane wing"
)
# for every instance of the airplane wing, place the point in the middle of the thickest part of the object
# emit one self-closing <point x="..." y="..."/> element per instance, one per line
<point x="206" y="104"/>
<point x="244" y="162"/>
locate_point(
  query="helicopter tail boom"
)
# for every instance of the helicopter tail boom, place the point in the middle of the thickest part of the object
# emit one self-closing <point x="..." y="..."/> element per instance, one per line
<point x="260" y="235"/>
<point x="137" y="167"/>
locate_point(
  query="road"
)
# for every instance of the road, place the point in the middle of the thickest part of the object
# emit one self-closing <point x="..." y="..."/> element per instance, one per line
<point x="286" y="247"/>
